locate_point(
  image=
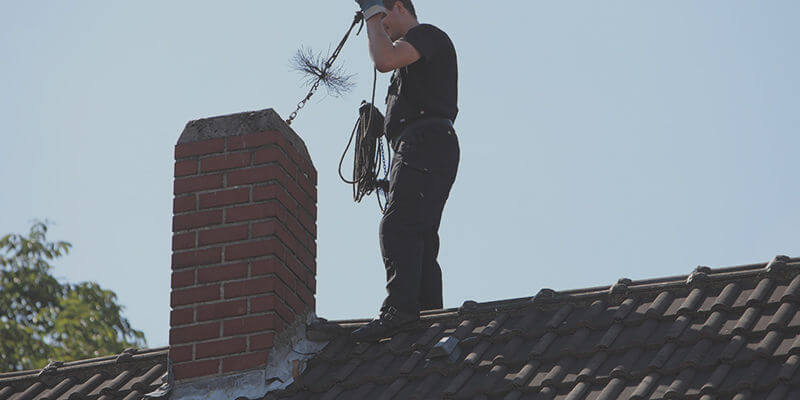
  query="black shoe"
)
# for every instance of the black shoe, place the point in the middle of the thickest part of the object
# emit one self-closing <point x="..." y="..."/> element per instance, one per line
<point x="386" y="325"/>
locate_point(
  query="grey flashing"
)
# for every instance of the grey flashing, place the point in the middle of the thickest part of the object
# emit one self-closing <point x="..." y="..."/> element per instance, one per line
<point x="287" y="359"/>
<point x="241" y="124"/>
<point x="248" y="384"/>
<point x="166" y="383"/>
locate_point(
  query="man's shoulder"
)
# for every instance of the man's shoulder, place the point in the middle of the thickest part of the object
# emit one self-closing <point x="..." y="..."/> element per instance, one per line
<point x="428" y="33"/>
<point x="428" y="28"/>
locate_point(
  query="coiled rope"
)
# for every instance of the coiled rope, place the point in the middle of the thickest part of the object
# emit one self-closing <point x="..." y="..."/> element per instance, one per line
<point x="369" y="160"/>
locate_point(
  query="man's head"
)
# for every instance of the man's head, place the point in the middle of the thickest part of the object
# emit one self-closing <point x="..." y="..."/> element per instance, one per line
<point x="400" y="19"/>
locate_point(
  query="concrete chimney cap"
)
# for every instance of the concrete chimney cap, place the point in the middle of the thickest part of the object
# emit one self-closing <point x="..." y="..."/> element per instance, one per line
<point x="241" y="124"/>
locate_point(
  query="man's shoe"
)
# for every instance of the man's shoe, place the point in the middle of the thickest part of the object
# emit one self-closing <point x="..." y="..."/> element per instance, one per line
<point x="386" y="325"/>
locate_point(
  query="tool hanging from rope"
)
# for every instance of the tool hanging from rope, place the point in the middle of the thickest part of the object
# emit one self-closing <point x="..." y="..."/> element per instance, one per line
<point x="311" y="64"/>
<point x="369" y="160"/>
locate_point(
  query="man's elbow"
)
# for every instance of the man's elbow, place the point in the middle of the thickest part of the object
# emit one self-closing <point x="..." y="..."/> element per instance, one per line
<point x="383" y="67"/>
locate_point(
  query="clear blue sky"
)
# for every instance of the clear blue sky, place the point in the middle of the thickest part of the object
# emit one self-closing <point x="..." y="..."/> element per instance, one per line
<point x="599" y="140"/>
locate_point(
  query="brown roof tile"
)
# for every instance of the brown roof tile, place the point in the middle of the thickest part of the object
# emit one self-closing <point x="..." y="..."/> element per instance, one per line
<point x="128" y="376"/>
<point x="715" y="333"/>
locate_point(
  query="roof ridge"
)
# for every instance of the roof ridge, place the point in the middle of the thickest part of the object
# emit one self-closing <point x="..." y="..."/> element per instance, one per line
<point x="127" y="354"/>
<point x="623" y="285"/>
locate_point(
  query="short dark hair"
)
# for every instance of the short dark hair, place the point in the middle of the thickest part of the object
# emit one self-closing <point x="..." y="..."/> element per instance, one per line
<point x="406" y="3"/>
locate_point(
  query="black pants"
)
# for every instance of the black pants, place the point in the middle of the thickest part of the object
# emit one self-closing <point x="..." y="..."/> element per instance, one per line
<point x="424" y="168"/>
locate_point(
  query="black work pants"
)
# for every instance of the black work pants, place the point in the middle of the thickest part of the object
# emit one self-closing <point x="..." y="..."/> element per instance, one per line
<point x="423" y="170"/>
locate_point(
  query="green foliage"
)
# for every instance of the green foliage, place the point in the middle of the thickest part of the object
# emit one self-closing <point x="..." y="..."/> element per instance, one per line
<point x="42" y="319"/>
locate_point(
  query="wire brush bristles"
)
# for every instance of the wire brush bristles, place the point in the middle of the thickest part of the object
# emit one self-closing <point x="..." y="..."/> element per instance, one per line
<point x="313" y="65"/>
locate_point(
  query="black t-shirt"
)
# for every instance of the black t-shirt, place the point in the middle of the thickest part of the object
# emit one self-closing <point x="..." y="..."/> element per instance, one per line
<point x="428" y="87"/>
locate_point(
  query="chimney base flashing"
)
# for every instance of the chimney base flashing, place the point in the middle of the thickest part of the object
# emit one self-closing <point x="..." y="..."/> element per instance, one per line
<point x="288" y="357"/>
<point x="250" y="384"/>
<point x="291" y="353"/>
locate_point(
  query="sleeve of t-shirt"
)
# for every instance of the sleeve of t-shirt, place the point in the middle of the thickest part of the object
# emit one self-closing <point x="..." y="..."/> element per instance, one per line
<point x="424" y="38"/>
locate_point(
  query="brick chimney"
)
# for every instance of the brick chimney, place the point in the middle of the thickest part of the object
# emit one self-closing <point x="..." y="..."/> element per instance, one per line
<point x="243" y="244"/>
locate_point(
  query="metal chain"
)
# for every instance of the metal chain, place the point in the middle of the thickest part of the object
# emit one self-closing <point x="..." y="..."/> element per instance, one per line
<point x="359" y="17"/>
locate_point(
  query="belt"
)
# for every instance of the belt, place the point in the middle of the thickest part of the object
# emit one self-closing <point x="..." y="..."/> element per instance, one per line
<point x="419" y="122"/>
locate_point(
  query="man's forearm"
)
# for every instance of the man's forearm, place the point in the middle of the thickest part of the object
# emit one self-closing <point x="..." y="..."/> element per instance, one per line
<point x="380" y="46"/>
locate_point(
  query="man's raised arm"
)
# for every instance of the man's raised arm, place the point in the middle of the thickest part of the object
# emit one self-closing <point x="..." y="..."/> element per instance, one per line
<point x="386" y="55"/>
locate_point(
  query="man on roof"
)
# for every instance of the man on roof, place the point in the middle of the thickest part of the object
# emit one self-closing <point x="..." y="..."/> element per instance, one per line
<point x="421" y="107"/>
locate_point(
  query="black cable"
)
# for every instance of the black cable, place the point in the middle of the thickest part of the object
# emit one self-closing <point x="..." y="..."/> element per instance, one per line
<point x="368" y="157"/>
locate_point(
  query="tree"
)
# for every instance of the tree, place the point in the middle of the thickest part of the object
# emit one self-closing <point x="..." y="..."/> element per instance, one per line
<point x="42" y="319"/>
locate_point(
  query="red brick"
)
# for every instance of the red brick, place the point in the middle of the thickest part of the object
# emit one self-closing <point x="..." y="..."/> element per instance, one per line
<point x="253" y="140"/>
<point x="194" y="333"/>
<point x="273" y="154"/>
<point x="308" y="186"/>
<point x="224" y="197"/>
<point x="255" y="175"/>
<point x="311" y="284"/>
<point x="225" y="161"/>
<point x="221" y="347"/>
<point x="263" y="303"/>
<point x="312" y="175"/>
<point x="182" y="241"/>
<point x="244" y="362"/>
<point x="200" y="294"/>
<point x="275" y="267"/>
<point x="222" y="273"/>
<point x="187" y="167"/>
<point x="274" y="228"/>
<point x="195" y="258"/>
<point x="303" y="162"/>
<point x="275" y="191"/>
<point x="301" y="270"/>
<point x="197" y="183"/>
<point x="306" y="260"/>
<point x="271" y="303"/>
<point x="199" y="148"/>
<point x="300" y="160"/>
<point x="306" y="296"/>
<point x="184" y="203"/>
<point x="221" y="235"/>
<point x="261" y="341"/>
<point x="182" y="278"/>
<point x="253" y="212"/>
<point x="196" y="220"/>
<point x="257" y="323"/>
<point x="181" y="316"/>
<point x="291" y="242"/>
<point x="299" y="194"/>
<point x="276" y="155"/>
<point x="195" y="369"/>
<point x="249" y="287"/>
<point x="308" y="223"/>
<point x="180" y="353"/>
<point x="271" y="209"/>
<point x="266" y="266"/>
<point x="296" y="229"/>
<point x="254" y="249"/>
<point x="214" y="311"/>
<point x="303" y="192"/>
<point x="291" y="298"/>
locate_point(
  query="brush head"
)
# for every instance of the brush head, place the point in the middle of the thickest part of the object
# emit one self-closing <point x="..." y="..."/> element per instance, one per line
<point x="316" y="70"/>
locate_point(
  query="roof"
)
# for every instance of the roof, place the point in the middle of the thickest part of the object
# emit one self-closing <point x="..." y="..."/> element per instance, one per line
<point x="726" y="333"/>
<point x="125" y="376"/>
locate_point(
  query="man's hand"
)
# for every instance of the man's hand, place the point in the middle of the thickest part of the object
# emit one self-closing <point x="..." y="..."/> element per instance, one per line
<point x="370" y="8"/>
